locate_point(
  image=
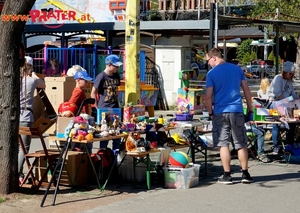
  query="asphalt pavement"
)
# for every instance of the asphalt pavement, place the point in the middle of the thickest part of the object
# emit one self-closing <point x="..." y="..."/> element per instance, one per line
<point x="275" y="189"/>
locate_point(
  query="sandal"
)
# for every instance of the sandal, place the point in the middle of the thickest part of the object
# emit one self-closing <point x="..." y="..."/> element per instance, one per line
<point x="263" y="158"/>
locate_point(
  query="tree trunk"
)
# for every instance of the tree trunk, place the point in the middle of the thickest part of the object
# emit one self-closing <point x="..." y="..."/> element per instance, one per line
<point x="10" y="40"/>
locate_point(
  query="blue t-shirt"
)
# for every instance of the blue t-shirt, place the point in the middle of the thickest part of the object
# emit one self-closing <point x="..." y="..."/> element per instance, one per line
<point x="226" y="80"/>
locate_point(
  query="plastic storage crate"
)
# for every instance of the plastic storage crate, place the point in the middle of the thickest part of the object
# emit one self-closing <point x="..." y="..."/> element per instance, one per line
<point x="110" y="111"/>
<point x="257" y="117"/>
<point x="184" y="117"/>
<point x="182" y="178"/>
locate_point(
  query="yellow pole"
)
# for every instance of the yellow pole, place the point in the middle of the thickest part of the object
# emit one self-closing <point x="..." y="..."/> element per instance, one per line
<point x="132" y="49"/>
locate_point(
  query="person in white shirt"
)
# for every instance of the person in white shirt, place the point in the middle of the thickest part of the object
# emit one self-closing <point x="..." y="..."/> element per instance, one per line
<point x="282" y="87"/>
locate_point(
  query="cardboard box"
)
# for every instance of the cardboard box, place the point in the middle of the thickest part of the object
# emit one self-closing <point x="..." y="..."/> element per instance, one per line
<point x="296" y="113"/>
<point x="108" y="112"/>
<point x="136" y="110"/>
<point x="38" y="107"/>
<point x="61" y="125"/>
<point x="194" y="98"/>
<point x="59" y="92"/>
<point x="60" y="79"/>
<point x="55" y="144"/>
<point x="181" y="178"/>
<point x="44" y="124"/>
<point x="74" y="172"/>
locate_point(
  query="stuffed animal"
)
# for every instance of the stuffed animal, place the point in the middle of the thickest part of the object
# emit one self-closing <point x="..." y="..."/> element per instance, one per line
<point x="80" y="129"/>
<point x="134" y="143"/>
<point x="71" y="71"/>
<point x="90" y="121"/>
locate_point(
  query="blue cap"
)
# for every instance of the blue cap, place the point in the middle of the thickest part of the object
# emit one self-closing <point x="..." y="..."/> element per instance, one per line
<point x="288" y="67"/>
<point x="114" y="60"/>
<point x="82" y="75"/>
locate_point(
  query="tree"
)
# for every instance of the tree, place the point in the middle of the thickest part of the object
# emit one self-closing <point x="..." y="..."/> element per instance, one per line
<point x="288" y="11"/>
<point x="10" y="39"/>
<point x="243" y="48"/>
<point x="272" y="57"/>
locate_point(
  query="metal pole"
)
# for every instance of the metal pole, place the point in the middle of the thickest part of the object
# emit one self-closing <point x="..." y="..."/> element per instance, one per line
<point x="224" y="37"/>
<point x="198" y="9"/>
<point x="265" y="41"/>
<point x="277" y="48"/>
<point x="211" y="29"/>
<point x="216" y="24"/>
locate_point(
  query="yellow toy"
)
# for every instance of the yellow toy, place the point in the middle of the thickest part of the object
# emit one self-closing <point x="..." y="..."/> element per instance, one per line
<point x="160" y="120"/>
<point x="273" y="112"/>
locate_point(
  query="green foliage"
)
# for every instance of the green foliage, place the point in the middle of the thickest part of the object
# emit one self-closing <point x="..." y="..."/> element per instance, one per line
<point x="253" y="56"/>
<point x="244" y="48"/>
<point x="288" y="11"/>
<point x="246" y="58"/>
<point x="272" y="57"/>
<point x="153" y="15"/>
<point x="2" y="200"/>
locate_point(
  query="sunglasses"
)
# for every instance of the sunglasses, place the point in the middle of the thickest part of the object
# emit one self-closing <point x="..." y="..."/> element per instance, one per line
<point x="208" y="59"/>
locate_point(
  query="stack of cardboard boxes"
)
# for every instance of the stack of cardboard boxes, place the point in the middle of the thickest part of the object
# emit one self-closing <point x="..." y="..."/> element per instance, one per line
<point x="75" y="171"/>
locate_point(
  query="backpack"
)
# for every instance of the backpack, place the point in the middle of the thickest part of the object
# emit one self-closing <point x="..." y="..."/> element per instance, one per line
<point x="103" y="161"/>
<point x="158" y="134"/>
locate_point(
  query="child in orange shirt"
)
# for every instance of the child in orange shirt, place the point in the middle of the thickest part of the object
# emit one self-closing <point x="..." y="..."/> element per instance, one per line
<point x="81" y="77"/>
<point x="78" y="95"/>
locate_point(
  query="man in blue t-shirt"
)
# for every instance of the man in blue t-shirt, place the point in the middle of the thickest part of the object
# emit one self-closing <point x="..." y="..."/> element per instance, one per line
<point x="223" y="83"/>
<point x="105" y="90"/>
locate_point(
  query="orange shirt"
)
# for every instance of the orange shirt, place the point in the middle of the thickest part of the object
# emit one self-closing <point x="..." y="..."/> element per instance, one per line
<point x="77" y="98"/>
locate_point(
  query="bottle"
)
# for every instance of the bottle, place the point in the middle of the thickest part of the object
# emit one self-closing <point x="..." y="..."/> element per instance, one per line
<point x="296" y="107"/>
<point x="160" y="119"/>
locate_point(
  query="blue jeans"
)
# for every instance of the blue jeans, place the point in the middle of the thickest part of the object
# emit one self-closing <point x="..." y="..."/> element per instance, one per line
<point x="290" y="134"/>
<point x="260" y="136"/>
<point x="27" y="141"/>
<point x="275" y="134"/>
<point x="115" y="145"/>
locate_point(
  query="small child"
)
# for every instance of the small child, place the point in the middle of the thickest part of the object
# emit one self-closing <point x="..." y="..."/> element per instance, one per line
<point x="262" y="93"/>
<point x="260" y="137"/>
<point x="53" y="69"/>
<point x="78" y="96"/>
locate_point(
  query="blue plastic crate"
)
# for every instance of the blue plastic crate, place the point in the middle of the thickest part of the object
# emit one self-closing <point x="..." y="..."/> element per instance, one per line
<point x="110" y="111"/>
<point x="184" y="117"/>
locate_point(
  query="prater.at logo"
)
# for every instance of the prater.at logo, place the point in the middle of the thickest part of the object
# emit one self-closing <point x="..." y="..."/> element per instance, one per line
<point x="44" y="15"/>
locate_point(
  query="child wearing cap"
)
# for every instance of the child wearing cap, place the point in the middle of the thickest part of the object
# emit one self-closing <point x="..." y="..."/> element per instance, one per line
<point x="105" y="89"/>
<point x="78" y="95"/>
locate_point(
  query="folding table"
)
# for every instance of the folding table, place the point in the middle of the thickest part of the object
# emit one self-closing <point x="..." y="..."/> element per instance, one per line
<point x="62" y="158"/>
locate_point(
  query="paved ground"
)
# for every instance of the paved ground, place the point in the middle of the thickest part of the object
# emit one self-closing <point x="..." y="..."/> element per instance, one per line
<point x="275" y="189"/>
